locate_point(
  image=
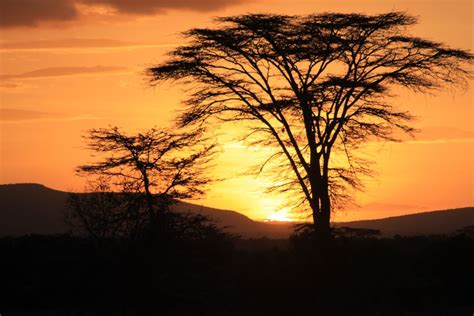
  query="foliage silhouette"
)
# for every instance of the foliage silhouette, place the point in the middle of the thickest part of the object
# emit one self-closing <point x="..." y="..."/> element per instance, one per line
<point x="139" y="177"/>
<point x="125" y="217"/>
<point x="425" y="275"/>
<point x="311" y="87"/>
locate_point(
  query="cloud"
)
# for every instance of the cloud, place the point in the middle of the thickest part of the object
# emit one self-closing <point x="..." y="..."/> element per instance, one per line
<point x="9" y="115"/>
<point x="62" y="71"/>
<point x="74" y="44"/>
<point x="444" y="133"/>
<point x="441" y="135"/>
<point x="146" y="7"/>
<point x="441" y="141"/>
<point x="8" y="85"/>
<point x="66" y="43"/>
<point x="15" y="13"/>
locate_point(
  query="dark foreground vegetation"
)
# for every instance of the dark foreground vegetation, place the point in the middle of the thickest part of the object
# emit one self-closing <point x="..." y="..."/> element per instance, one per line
<point x="222" y="275"/>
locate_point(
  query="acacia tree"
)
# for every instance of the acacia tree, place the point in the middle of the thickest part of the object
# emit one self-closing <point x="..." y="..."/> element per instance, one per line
<point x="139" y="177"/>
<point x="310" y="86"/>
<point x="104" y="214"/>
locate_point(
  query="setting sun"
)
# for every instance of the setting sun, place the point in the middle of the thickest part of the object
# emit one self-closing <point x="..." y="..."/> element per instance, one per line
<point x="279" y="216"/>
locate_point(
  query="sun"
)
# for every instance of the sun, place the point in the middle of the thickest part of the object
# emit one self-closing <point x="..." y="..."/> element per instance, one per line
<point x="279" y="216"/>
<point x="274" y="211"/>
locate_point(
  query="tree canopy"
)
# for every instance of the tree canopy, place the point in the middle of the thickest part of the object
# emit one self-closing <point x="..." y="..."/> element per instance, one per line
<point x="310" y="86"/>
<point x="139" y="176"/>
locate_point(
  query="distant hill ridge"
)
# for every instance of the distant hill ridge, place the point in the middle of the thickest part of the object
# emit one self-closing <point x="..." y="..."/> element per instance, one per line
<point x="423" y="223"/>
<point x="28" y="208"/>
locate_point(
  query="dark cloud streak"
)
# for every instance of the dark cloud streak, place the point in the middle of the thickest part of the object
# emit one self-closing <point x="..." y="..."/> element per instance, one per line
<point x="14" y="13"/>
<point x="145" y="7"/>
<point x="11" y="115"/>
<point x="17" y="13"/>
<point x="8" y="115"/>
<point x="67" y="43"/>
<point x="76" y="44"/>
<point x="62" y="71"/>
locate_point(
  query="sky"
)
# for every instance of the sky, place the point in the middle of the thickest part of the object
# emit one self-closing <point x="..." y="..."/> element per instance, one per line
<point x="67" y="66"/>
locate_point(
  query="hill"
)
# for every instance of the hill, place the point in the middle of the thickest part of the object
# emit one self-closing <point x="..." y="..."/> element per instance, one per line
<point x="34" y="208"/>
<point x="29" y="208"/>
<point x="426" y="223"/>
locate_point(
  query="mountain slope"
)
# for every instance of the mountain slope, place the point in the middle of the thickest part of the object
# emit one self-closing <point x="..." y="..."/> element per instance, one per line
<point x="435" y="222"/>
<point x="237" y="223"/>
<point x="31" y="208"/>
<point x="34" y="208"/>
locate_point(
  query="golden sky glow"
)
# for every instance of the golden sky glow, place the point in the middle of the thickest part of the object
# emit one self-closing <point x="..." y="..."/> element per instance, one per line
<point x="69" y="71"/>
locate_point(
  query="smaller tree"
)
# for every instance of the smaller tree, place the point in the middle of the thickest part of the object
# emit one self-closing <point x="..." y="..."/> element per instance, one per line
<point x="103" y="214"/>
<point x="138" y="178"/>
<point x="127" y="209"/>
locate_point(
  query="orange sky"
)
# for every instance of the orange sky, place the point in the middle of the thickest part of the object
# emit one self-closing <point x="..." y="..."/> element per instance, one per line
<point x="71" y="65"/>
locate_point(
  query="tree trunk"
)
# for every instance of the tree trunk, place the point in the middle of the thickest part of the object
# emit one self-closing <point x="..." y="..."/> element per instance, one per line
<point x="150" y="203"/>
<point x="149" y="198"/>
<point x="321" y="207"/>
<point x="325" y="215"/>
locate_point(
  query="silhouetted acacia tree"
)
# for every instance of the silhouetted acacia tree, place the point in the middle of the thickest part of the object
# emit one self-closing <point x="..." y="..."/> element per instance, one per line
<point x="310" y="86"/>
<point x="139" y="177"/>
<point x="105" y="214"/>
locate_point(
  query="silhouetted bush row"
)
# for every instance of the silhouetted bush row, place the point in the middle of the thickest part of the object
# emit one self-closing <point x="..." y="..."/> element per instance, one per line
<point x="224" y="275"/>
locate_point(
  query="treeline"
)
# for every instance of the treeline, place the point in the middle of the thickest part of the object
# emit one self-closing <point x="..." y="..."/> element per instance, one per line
<point x="225" y="275"/>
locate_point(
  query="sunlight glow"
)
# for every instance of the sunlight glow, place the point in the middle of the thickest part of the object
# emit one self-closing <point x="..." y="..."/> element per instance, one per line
<point x="279" y="216"/>
<point x="273" y="207"/>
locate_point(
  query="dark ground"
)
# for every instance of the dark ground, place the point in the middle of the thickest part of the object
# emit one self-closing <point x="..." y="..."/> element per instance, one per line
<point x="65" y="275"/>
